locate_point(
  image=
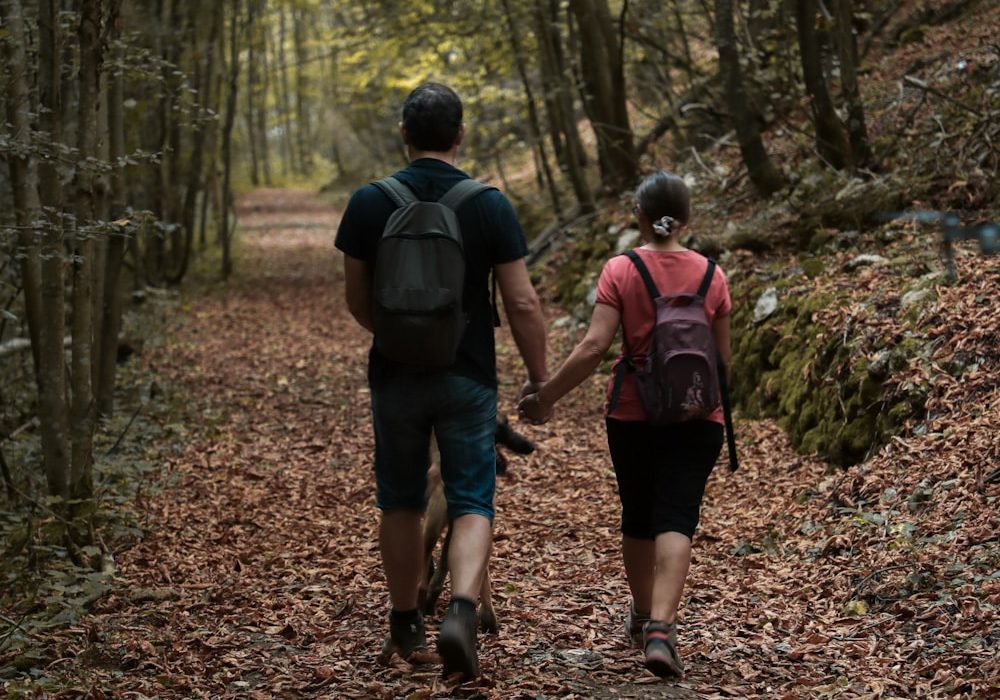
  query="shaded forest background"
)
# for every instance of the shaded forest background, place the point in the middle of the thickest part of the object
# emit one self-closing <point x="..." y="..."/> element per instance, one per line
<point x="130" y="127"/>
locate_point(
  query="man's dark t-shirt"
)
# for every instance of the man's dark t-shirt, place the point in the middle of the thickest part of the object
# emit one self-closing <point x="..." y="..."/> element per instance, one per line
<point x="491" y="236"/>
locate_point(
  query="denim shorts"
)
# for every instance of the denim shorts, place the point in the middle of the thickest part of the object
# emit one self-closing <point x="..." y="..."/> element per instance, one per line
<point x="462" y="414"/>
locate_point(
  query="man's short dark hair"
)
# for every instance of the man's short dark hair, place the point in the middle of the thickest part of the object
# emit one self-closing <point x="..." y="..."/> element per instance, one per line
<point x="432" y="116"/>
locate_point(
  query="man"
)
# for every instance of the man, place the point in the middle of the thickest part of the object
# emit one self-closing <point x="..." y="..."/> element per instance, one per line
<point x="459" y="403"/>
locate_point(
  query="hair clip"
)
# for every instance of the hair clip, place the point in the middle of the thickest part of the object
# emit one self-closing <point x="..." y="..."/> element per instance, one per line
<point x="665" y="226"/>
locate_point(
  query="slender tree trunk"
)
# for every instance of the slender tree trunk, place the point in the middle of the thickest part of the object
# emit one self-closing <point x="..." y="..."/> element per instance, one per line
<point x="82" y="408"/>
<point x="765" y="177"/>
<point x="291" y="164"/>
<point x="263" y="86"/>
<point x="180" y="31"/>
<point x="111" y="312"/>
<point x="100" y="186"/>
<point x="23" y="169"/>
<point x="195" y="174"/>
<point x="227" y="138"/>
<point x="848" y="48"/>
<point x="52" y="410"/>
<point x="214" y="73"/>
<point x="831" y="142"/>
<point x="561" y="107"/>
<point x="302" y="87"/>
<point x="683" y="33"/>
<point x="251" y="120"/>
<point x="533" y="121"/>
<point x="602" y="70"/>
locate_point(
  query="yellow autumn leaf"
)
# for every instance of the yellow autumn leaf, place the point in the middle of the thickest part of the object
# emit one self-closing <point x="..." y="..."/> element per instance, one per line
<point x="856" y="608"/>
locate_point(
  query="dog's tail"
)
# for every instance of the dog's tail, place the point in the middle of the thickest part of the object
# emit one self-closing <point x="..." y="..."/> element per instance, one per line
<point x="513" y="441"/>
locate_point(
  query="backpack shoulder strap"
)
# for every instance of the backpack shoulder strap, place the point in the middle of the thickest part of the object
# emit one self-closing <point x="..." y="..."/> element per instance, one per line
<point x="400" y="194"/>
<point x="647" y="279"/>
<point x="706" y="282"/>
<point x="462" y="192"/>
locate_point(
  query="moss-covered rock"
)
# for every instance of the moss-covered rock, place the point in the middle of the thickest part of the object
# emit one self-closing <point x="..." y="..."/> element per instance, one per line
<point x="816" y="381"/>
<point x="813" y="267"/>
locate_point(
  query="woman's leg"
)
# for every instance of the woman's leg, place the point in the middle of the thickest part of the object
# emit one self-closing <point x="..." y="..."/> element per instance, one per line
<point x="693" y="448"/>
<point x="639" y="555"/>
<point x="673" y="559"/>
<point x="628" y="445"/>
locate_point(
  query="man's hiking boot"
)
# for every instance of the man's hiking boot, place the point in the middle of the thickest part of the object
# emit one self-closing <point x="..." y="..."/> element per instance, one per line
<point x="406" y="636"/>
<point x="660" y="639"/>
<point x="457" y="640"/>
<point x="634" y="623"/>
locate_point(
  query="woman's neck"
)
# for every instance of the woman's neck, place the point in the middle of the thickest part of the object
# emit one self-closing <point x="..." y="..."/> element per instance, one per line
<point x="670" y="245"/>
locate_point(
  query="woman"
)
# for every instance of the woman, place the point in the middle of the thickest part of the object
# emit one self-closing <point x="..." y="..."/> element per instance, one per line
<point x="661" y="471"/>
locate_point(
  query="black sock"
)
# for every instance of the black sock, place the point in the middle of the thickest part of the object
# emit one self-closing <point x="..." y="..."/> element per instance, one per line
<point x="463" y="605"/>
<point x="404" y="616"/>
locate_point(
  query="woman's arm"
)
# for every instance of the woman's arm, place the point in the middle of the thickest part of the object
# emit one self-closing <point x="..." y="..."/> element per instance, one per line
<point x="721" y="332"/>
<point x="580" y="364"/>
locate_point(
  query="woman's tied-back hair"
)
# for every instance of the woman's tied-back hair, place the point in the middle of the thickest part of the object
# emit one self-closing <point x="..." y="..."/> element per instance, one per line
<point x="665" y="200"/>
<point x="432" y="116"/>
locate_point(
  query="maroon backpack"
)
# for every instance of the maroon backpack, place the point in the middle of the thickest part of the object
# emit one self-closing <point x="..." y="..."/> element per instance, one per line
<point x="681" y="378"/>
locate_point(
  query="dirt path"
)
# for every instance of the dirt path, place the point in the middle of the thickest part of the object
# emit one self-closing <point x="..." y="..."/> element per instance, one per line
<point x="260" y="576"/>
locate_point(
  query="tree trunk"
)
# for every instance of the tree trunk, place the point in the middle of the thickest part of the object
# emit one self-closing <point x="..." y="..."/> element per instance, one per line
<point x="227" y="138"/>
<point x="52" y="410"/>
<point x="251" y="120"/>
<point x="82" y="407"/>
<point x="831" y="142"/>
<point x="173" y="152"/>
<point x="99" y="271"/>
<point x="304" y="130"/>
<point x="683" y="33"/>
<point x="111" y="312"/>
<point x="603" y="76"/>
<point x="23" y="169"/>
<point x="848" y="50"/>
<point x="263" y="91"/>
<point x="560" y="107"/>
<point x="533" y="121"/>
<point x="195" y="174"/>
<point x="765" y="177"/>
<point x="214" y="75"/>
<point x="291" y="165"/>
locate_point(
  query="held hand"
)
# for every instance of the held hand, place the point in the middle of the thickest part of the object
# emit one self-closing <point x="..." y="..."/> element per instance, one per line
<point x="532" y="409"/>
<point x="529" y="387"/>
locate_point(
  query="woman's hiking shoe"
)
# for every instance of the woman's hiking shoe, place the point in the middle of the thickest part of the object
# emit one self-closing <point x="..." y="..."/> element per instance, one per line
<point x="634" y="623"/>
<point x="660" y="639"/>
<point x="457" y="640"/>
<point x="406" y="637"/>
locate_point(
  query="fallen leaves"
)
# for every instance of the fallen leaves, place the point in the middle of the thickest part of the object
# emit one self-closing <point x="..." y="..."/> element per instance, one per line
<point x="260" y="577"/>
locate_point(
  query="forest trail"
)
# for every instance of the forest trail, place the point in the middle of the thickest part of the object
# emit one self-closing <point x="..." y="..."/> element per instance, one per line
<point x="260" y="577"/>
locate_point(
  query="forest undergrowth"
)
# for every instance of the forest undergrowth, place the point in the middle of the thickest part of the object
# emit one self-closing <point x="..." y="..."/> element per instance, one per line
<point x="258" y="575"/>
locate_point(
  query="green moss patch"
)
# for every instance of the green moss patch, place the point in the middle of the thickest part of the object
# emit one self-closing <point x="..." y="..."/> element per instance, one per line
<point x="817" y="381"/>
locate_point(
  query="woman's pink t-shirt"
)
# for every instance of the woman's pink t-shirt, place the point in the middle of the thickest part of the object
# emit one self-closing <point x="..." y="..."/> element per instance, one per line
<point x="621" y="287"/>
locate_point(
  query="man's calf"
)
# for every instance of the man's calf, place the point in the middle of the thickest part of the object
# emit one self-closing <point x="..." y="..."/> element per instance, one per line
<point x="436" y="520"/>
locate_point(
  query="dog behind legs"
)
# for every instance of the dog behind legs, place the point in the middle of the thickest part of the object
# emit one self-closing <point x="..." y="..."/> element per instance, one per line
<point x="436" y="521"/>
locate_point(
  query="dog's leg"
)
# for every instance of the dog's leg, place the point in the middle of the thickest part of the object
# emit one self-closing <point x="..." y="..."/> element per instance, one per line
<point x="487" y="615"/>
<point x="435" y="520"/>
<point x="436" y="584"/>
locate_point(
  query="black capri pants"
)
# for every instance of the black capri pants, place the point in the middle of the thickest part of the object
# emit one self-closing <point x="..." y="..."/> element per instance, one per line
<point x="662" y="472"/>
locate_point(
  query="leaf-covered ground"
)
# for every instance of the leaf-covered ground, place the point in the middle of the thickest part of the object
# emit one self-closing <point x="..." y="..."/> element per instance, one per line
<point x="259" y="576"/>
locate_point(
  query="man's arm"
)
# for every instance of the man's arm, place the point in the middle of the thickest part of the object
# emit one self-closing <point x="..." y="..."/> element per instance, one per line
<point x="524" y="313"/>
<point x="358" y="291"/>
